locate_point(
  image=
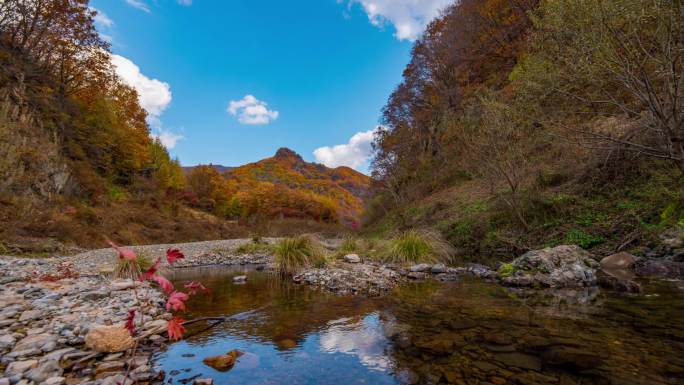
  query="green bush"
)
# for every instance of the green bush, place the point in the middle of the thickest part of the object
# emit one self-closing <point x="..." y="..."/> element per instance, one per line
<point x="294" y="254"/>
<point x="582" y="239"/>
<point x="417" y="246"/>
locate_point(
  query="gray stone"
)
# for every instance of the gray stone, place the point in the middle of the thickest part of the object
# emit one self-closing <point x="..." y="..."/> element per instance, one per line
<point x="94" y="295"/>
<point x="46" y="370"/>
<point x="30" y="315"/>
<point x="36" y="341"/>
<point x="55" y="381"/>
<point x="438" y="268"/>
<point x="6" y="342"/>
<point x="4" y="381"/>
<point x="352" y="258"/>
<point x="19" y="367"/>
<point x="421" y="268"/>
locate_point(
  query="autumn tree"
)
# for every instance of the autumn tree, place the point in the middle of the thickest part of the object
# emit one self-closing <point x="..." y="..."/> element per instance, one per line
<point x="612" y="59"/>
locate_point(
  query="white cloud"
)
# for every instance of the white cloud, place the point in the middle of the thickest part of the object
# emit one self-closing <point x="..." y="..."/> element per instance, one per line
<point x="155" y="95"/>
<point x="101" y="18"/>
<point x="251" y="110"/>
<point x="409" y="17"/>
<point x="355" y="153"/>
<point x="185" y="2"/>
<point x="141" y="5"/>
<point x="167" y="138"/>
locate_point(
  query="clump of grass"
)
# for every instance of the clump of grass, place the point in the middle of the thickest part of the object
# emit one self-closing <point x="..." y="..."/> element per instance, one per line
<point x="294" y="254"/>
<point x="254" y="248"/>
<point x="132" y="269"/>
<point x="417" y="247"/>
<point x="349" y="245"/>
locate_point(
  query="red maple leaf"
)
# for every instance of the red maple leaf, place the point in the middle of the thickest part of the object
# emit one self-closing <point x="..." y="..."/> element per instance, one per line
<point x="130" y="325"/>
<point x="165" y="284"/>
<point x="172" y="255"/>
<point x="194" y="287"/>
<point x="124" y="253"/>
<point x="175" y="328"/>
<point x="176" y="301"/>
<point x="151" y="271"/>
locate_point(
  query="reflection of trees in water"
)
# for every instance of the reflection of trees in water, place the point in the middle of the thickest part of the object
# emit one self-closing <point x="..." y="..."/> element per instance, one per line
<point x="477" y="332"/>
<point x="284" y="312"/>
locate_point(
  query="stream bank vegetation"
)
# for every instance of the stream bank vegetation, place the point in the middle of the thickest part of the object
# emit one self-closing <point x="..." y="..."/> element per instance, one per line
<point x="524" y="124"/>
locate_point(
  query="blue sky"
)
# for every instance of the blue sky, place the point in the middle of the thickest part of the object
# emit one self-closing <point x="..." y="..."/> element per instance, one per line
<point x="229" y="82"/>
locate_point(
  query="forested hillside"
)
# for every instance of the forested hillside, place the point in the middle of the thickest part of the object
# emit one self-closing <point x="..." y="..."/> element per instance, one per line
<point x="526" y="123"/>
<point x="283" y="186"/>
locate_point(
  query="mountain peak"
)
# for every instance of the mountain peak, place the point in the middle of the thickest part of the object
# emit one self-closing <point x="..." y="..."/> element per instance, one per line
<point x="285" y="153"/>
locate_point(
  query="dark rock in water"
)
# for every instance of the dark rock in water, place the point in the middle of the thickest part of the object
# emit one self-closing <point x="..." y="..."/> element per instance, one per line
<point x="571" y="357"/>
<point x="498" y="338"/>
<point x="417" y="275"/>
<point x="223" y="363"/>
<point x="619" y="280"/>
<point x="661" y="269"/>
<point x="519" y="360"/>
<point x="621" y="260"/>
<point x="438" y="268"/>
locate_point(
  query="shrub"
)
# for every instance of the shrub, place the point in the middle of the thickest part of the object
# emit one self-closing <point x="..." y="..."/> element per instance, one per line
<point x="294" y="254"/>
<point x="132" y="269"/>
<point x="417" y="246"/>
<point x="583" y="240"/>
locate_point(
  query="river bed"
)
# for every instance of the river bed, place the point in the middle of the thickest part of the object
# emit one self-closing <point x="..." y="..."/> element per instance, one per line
<point x="466" y="332"/>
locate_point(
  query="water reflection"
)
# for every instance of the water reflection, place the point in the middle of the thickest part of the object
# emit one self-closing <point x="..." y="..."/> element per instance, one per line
<point x="468" y="332"/>
<point x="363" y="338"/>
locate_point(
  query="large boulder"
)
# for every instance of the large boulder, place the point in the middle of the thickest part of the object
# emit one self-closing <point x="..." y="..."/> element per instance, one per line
<point x="109" y="339"/>
<point x="561" y="266"/>
<point x="620" y="260"/>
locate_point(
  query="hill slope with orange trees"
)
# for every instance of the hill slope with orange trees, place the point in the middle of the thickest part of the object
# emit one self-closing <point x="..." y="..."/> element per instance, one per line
<point x="283" y="186"/>
<point x="77" y="162"/>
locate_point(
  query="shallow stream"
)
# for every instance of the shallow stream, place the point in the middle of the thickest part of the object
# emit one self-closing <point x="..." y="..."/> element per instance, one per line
<point x="467" y="332"/>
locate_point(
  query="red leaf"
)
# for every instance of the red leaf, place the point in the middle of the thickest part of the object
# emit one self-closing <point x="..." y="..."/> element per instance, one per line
<point x="124" y="253"/>
<point x="194" y="287"/>
<point x="176" y="301"/>
<point x="172" y="255"/>
<point x="130" y="325"/>
<point x="165" y="284"/>
<point x="149" y="274"/>
<point x="175" y="328"/>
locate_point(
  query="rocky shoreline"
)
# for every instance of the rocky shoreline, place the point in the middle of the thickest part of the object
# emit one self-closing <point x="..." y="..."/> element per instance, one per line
<point x="55" y="331"/>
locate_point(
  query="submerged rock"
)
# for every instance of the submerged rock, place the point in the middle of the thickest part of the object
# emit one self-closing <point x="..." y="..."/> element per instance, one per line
<point x="660" y="268"/>
<point x="240" y="279"/>
<point x="561" y="266"/>
<point x="224" y="362"/>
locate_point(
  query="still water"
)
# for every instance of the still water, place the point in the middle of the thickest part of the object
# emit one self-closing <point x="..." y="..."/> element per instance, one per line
<point x="468" y="332"/>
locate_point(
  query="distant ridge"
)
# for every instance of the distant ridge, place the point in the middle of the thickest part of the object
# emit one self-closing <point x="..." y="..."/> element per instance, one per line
<point x="221" y="169"/>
